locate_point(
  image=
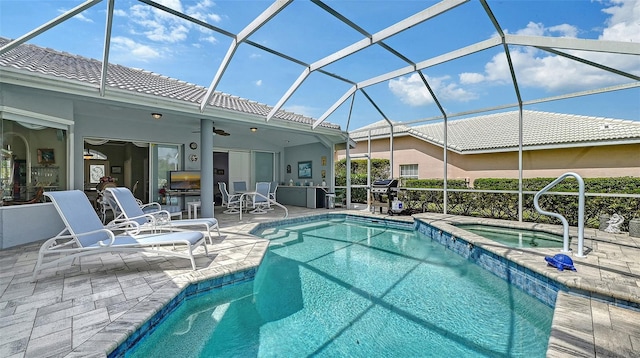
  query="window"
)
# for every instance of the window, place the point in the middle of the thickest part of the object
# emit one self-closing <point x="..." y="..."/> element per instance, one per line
<point x="32" y="159"/>
<point x="409" y="171"/>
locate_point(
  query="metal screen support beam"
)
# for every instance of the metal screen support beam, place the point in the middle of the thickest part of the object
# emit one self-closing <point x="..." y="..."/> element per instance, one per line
<point x="512" y="71"/>
<point x="107" y="46"/>
<point x="590" y="63"/>
<point x="256" y="24"/>
<point x="620" y="47"/>
<point x="369" y="171"/>
<point x="379" y="36"/>
<point x="37" y="31"/>
<point x="445" y="147"/>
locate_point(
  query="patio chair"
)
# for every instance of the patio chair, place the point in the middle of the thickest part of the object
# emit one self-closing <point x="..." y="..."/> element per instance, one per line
<point x="129" y="210"/>
<point x="103" y="206"/>
<point x="272" y="190"/>
<point x="239" y="187"/>
<point x="260" y="199"/>
<point x="85" y="235"/>
<point x="231" y="202"/>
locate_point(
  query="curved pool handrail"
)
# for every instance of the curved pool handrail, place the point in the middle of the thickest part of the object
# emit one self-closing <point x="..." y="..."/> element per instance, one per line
<point x="565" y="224"/>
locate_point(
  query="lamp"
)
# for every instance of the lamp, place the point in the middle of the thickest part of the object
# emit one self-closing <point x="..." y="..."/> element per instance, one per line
<point x="87" y="155"/>
<point x="156" y="115"/>
<point x="253" y="129"/>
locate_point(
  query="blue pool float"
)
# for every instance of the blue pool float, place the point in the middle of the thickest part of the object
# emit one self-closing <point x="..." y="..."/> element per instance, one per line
<point x="561" y="262"/>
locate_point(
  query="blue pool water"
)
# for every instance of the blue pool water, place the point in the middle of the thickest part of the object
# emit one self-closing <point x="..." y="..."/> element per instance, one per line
<point x="519" y="238"/>
<point x="341" y="289"/>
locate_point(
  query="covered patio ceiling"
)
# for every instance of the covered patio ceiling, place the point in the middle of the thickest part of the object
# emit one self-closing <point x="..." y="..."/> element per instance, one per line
<point x="342" y="63"/>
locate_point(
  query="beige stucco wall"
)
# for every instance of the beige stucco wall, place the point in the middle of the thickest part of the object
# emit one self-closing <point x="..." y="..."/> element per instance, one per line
<point x="589" y="162"/>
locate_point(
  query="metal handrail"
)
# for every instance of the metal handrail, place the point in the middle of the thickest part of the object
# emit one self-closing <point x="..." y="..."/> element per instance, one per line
<point x="270" y="201"/>
<point x="565" y="224"/>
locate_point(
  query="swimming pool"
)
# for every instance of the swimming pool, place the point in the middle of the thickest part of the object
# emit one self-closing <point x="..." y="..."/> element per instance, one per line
<point x="518" y="238"/>
<point x="339" y="288"/>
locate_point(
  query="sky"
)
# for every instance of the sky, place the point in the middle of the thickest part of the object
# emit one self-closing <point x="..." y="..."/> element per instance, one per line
<point x="148" y="38"/>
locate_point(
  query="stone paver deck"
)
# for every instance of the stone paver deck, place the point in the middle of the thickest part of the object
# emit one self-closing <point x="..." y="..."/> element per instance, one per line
<point x="87" y="310"/>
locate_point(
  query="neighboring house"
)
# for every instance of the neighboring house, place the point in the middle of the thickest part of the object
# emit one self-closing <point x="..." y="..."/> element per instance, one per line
<point x="487" y="146"/>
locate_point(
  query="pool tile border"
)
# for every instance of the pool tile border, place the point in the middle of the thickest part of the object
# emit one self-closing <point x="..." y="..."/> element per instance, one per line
<point x="534" y="284"/>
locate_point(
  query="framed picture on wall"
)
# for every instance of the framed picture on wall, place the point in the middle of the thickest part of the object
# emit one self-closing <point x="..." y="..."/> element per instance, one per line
<point x="304" y="170"/>
<point x="116" y="170"/>
<point x="96" y="171"/>
<point x="46" y="156"/>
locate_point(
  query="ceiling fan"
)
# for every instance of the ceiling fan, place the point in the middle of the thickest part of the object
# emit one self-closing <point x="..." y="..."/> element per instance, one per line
<point x="217" y="131"/>
<point x="221" y="132"/>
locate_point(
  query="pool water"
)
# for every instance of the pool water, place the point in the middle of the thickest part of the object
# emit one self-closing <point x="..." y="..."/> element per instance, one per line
<point x="518" y="238"/>
<point x="341" y="289"/>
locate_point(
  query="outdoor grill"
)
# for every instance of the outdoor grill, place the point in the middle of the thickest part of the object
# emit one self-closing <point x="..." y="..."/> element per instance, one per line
<point x="383" y="192"/>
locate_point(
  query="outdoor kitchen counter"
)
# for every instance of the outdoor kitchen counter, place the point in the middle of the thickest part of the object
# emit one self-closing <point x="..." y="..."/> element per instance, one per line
<point x="305" y="196"/>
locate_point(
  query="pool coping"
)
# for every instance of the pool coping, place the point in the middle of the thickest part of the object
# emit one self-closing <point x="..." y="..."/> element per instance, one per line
<point x="125" y="327"/>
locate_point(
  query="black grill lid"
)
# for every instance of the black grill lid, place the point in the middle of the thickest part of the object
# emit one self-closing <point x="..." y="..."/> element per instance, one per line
<point x="392" y="183"/>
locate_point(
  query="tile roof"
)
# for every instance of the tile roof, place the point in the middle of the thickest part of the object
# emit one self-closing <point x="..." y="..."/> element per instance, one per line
<point x="54" y="63"/>
<point x="540" y="129"/>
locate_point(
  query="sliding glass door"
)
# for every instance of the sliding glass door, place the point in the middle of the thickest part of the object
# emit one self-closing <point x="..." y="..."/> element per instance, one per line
<point x="263" y="166"/>
<point x="164" y="158"/>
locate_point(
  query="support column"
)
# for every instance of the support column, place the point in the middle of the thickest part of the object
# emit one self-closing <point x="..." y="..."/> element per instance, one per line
<point x="206" y="168"/>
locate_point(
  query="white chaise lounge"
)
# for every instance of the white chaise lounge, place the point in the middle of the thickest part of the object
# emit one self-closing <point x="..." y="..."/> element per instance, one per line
<point x="85" y="235"/>
<point x="127" y="209"/>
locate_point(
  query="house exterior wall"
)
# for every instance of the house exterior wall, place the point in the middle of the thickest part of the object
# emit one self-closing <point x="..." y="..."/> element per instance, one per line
<point x="589" y="162"/>
<point x="311" y="152"/>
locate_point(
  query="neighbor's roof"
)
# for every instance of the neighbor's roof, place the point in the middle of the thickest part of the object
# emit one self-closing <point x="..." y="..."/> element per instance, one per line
<point x="499" y="132"/>
<point x="72" y="67"/>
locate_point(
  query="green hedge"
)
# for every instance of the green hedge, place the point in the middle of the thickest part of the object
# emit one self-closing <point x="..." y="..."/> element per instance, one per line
<point x="505" y="205"/>
<point x="501" y="205"/>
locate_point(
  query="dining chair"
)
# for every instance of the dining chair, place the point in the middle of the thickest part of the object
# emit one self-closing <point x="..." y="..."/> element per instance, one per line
<point x="272" y="193"/>
<point x="231" y="202"/>
<point x="239" y="187"/>
<point x="260" y="199"/>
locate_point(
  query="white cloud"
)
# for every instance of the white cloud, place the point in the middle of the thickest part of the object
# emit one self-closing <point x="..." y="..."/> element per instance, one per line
<point x="209" y="39"/>
<point x="624" y="23"/>
<point x="161" y="26"/>
<point x="564" y="30"/>
<point x="540" y="69"/>
<point x="124" y="47"/>
<point x="258" y="83"/>
<point x="471" y="78"/>
<point x="81" y="16"/>
<point x="201" y="11"/>
<point x="412" y="91"/>
<point x="300" y="109"/>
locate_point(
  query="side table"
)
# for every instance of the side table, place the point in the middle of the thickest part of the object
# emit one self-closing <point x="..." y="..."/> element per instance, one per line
<point x="193" y="206"/>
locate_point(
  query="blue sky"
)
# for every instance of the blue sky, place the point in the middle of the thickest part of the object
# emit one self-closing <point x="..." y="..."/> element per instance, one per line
<point x="150" y="39"/>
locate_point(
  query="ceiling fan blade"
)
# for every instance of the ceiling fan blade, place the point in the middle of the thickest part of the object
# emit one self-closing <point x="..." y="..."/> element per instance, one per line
<point x="220" y="132"/>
